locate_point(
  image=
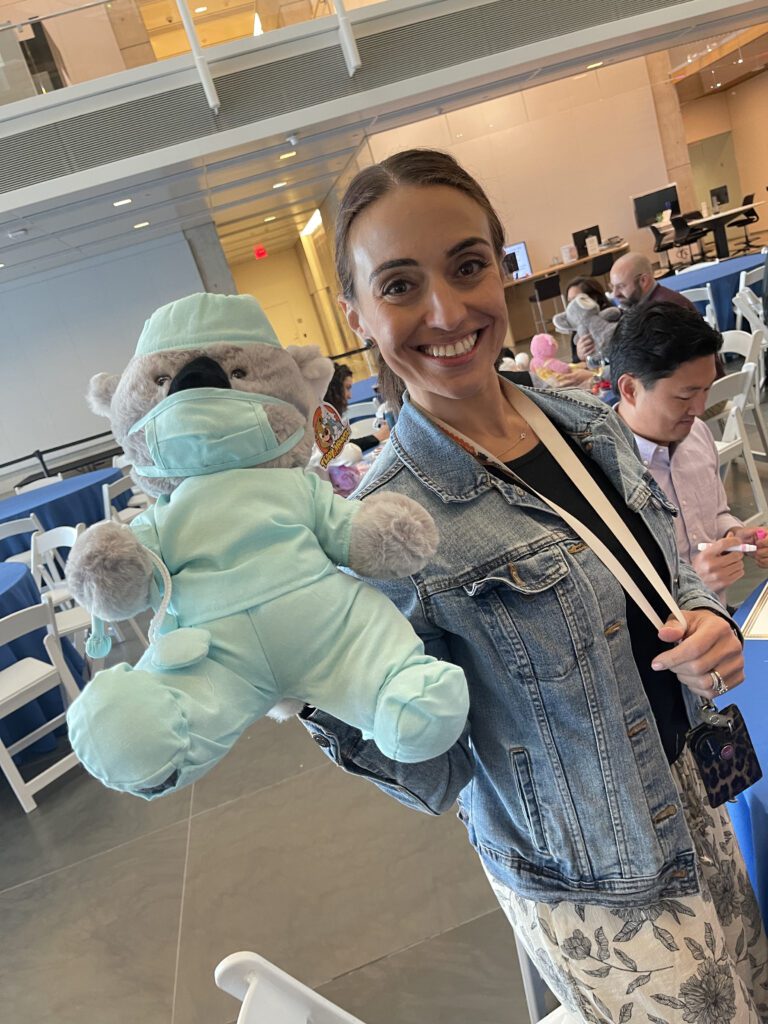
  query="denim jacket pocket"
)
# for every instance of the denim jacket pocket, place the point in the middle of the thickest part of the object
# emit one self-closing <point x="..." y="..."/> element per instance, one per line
<point x="526" y="791"/>
<point x="534" y="613"/>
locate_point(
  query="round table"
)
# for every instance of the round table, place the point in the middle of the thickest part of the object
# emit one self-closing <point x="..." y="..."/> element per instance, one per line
<point x="749" y="814"/>
<point x="17" y="591"/>
<point x="67" y="502"/>
<point x="724" y="278"/>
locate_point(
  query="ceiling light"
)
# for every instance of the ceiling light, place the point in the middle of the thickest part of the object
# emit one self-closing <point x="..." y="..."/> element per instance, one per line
<point x="597" y="64"/>
<point x="122" y="202"/>
<point x="200" y="10"/>
<point x="280" y="184"/>
<point x="267" y="220"/>
<point x="141" y="224"/>
<point x="287" y="156"/>
<point x="18" y="233"/>
<point x="1" y="266"/>
<point x="257" y="29"/>
<point x="314" y="222"/>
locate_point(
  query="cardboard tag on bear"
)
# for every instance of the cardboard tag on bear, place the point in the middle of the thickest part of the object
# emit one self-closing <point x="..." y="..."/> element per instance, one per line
<point x="331" y="432"/>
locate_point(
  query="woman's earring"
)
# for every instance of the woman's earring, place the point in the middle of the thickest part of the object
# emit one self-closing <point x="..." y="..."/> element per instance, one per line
<point x="370" y="343"/>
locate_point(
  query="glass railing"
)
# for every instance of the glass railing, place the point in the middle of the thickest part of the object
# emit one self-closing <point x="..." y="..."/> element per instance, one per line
<point x="92" y="40"/>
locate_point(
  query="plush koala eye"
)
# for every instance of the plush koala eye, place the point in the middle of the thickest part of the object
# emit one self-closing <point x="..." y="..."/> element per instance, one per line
<point x="239" y="374"/>
<point x="162" y="380"/>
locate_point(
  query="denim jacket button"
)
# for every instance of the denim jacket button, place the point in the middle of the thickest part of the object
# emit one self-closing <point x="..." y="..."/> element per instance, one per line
<point x="321" y="741"/>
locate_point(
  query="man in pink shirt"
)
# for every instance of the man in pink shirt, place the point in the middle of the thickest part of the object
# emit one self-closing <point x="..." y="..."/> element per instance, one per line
<point x="662" y="367"/>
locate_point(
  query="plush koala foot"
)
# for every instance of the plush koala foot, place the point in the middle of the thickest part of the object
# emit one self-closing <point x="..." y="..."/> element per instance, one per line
<point x="285" y="709"/>
<point x="392" y="536"/>
<point x="109" y="572"/>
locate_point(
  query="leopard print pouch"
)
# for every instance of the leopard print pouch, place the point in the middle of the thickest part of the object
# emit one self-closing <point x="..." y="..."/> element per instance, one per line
<point x="724" y="754"/>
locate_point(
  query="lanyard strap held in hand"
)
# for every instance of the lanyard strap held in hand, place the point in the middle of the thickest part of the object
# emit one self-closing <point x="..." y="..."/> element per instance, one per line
<point x="550" y="437"/>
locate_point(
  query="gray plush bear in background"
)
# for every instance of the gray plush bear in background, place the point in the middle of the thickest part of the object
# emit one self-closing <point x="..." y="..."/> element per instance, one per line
<point x="584" y="317"/>
<point x="238" y="557"/>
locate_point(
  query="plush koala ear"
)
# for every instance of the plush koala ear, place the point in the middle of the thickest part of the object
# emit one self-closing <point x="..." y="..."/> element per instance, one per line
<point x="316" y="369"/>
<point x="562" y="326"/>
<point x="100" y="391"/>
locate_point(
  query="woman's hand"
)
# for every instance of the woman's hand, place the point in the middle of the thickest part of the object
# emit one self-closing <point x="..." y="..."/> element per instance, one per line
<point x="382" y="433"/>
<point x="585" y="346"/>
<point x="707" y="644"/>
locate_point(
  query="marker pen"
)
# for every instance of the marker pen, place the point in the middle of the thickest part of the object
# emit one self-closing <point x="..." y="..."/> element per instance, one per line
<point x="735" y="547"/>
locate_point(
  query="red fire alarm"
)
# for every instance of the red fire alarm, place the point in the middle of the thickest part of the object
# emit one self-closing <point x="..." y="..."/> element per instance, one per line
<point x="259" y="252"/>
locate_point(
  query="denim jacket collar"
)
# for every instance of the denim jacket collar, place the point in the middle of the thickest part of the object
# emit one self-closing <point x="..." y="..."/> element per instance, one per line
<point x="455" y="476"/>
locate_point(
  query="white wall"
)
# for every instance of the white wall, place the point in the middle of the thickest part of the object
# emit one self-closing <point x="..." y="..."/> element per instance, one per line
<point x="556" y="158"/>
<point x="59" y="329"/>
<point x="279" y="284"/>
<point x="748" y="104"/>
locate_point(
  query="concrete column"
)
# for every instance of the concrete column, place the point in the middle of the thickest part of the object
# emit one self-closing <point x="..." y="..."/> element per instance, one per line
<point x="671" y="128"/>
<point x="209" y="257"/>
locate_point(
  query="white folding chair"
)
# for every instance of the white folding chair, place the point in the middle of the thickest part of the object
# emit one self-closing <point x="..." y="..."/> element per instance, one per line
<point x="750" y="347"/>
<point x="749" y="307"/>
<point x="734" y="389"/>
<point x="111" y="491"/>
<point x="746" y="279"/>
<point x="15" y="527"/>
<point x="270" y="996"/>
<point x="42" y="481"/>
<point x="706" y="295"/>
<point x="26" y="680"/>
<point x="361" y="417"/>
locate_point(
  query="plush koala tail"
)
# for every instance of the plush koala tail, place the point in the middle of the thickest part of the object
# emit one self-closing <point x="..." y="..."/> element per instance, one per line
<point x="285" y="709"/>
<point x="100" y="391"/>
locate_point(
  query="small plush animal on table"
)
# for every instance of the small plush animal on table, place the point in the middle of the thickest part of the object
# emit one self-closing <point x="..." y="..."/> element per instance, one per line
<point x="238" y="556"/>
<point x="583" y="317"/>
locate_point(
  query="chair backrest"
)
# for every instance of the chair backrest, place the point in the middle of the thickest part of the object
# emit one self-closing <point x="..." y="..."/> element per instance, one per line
<point x="707" y="296"/>
<point x="42" y="481"/>
<point x="46" y="571"/>
<point x="744" y="344"/>
<point x="29" y="524"/>
<point x="750" y="198"/>
<point x="659" y="244"/>
<point x="29" y="620"/>
<point x="548" y="287"/>
<point x="111" y="491"/>
<point x="601" y="264"/>
<point x="270" y="995"/>
<point x="749" y="277"/>
<point x="748" y="305"/>
<point x="733" y="388"/>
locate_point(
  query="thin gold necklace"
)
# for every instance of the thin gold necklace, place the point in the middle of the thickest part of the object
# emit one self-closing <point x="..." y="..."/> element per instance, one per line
<point x="522" y="437"/>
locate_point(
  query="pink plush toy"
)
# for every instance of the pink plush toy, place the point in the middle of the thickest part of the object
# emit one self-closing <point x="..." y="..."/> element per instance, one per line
<point x="544" y="362"/>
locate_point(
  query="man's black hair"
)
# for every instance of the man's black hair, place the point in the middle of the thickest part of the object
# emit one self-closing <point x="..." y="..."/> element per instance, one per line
<point x="651" y="342"/>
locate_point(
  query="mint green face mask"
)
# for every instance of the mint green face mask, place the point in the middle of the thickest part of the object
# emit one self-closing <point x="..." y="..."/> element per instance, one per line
<point x="206" y="430"/>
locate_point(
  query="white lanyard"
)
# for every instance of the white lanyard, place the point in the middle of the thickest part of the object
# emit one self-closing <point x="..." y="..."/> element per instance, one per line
<point x="568" y="461"/>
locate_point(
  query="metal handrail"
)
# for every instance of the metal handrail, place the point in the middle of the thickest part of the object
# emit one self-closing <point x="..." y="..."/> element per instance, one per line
<point x="53" y="14"/>
<point x="39" y="454"/>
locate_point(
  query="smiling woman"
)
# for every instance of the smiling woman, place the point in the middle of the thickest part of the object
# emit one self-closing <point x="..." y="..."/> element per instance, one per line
<point x="571" y="776"/>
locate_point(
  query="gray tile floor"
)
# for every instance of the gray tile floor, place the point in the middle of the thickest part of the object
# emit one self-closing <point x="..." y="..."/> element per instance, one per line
<point x="116" y="911"/>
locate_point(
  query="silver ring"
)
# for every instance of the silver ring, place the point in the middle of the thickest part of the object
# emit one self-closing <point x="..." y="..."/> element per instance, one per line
<point x="718" y="684"/>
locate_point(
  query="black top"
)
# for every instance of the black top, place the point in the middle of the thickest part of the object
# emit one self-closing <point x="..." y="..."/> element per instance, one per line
<point x="539" y="469"/>
<point x="366" y="442"/>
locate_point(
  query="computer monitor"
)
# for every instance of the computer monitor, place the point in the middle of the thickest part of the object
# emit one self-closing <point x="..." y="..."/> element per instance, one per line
<point x="580" y="239"/>
<point x="719" y="195"/>
<point x="651" y="206"/>
<point x="520" y="251"/>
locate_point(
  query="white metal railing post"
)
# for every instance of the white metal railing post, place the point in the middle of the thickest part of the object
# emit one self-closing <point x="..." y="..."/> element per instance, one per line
<point x="346" y="38"/>
<point x="209" y="88"/>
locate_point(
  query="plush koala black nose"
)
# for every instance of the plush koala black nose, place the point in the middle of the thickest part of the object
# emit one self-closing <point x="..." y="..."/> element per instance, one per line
<point x="202" y="372"/>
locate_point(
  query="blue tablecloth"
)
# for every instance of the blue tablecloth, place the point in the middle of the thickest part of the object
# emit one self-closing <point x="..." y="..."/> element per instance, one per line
<point x="362" y="390"/>
<point x="750" y="812"/>
<point x="724" y="278"/>
<point x="17" y="591"/>
<point x="65" y="503"/>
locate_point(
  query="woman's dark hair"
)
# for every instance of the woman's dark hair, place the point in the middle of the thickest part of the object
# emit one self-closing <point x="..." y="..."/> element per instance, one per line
<point x="651" y="342"/>
<point x="422" y="167"/>
<point x="589" y="286"/>
<point x="335" y="393"/>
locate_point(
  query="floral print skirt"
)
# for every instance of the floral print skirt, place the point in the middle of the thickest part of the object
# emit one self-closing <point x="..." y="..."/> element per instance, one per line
<point x="700" y="959"/>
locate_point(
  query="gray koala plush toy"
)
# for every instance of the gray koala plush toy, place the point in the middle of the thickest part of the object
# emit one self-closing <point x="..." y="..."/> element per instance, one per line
<point x="238" y="558"/>
<point x="584" y="317"/>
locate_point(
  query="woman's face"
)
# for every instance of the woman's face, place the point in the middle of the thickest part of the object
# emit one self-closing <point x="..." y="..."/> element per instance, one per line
<point x="428" y="290"/>
<point x="347" y="385"/>
<point x="572" y="292"/>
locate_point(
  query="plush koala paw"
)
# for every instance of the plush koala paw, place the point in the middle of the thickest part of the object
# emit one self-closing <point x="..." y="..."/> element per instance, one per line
<point x="285" y="709"/>
<point x="109" y="572"/>
<point x="392" y="536"/>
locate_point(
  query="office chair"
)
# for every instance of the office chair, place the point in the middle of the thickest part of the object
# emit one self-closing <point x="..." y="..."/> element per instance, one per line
<point x="601" y="264"/>
<point x="544" y="289"/>
<point x="749" y="216"/>
<point x="685" y="235"/>
<point x="662" y="244"/>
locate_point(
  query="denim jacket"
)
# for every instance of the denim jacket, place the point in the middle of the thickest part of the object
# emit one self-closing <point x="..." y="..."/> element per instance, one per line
<point x="560" y="775"/>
